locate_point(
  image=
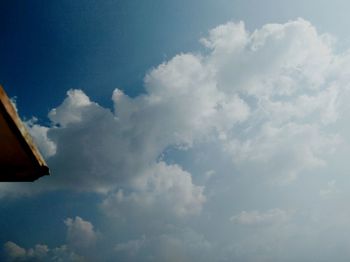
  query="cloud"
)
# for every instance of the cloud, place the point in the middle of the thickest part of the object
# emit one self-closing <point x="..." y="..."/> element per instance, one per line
<point x="253" y="108"/>
<point x="39" y="133"/>
<point x="179" y="245"/>
<point x="14" y="251"/>
<point x="260" y="96"/>
<point x="271" y="60"/>
<point x="256" y="218"/>
<point x="71" y="110"/>
<point x="330" y="191"/>
<point x="283" y="151"/>
<point x="40" y="252"/>
<point x="132" y="247"/>
<point x="80" y="233"/>
<point x="80" y="237"/>
<point x="164" y="187"/>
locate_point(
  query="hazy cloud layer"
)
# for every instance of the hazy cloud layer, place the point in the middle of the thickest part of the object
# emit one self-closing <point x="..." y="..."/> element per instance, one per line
<point x="252" y="218"/>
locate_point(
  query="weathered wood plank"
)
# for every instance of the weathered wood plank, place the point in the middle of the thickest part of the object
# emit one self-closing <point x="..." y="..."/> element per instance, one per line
<point x="20" y="160"/>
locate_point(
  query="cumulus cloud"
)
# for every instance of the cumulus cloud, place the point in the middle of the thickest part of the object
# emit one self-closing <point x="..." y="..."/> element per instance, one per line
<point x="39" y="134"/>
<point x="80" y="233"/>
<point x="179" y="245"/>
<point x="80" y="236"/>
<point x="270" y="101"/>
<point x="264" y="95"/>
<point x="164" y="187"/>
<point x="260" y="96"/>
<point x="284" y="73"/>
<point x="15" y="253"/>
<point x="283" y="151"/>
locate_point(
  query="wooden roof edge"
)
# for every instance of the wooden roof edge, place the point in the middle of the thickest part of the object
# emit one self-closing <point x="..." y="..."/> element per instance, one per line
<point x="22" y="133"/>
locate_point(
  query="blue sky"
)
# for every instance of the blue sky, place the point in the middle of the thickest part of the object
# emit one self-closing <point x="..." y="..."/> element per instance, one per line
<point x="48" y="48"/>
<point x="179" y="130"/>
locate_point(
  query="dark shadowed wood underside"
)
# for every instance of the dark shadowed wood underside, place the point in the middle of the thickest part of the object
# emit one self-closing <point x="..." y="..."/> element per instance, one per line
<point x="20" y="160"/>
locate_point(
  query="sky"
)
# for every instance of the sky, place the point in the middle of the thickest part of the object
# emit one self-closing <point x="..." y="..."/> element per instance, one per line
<point x="179" y="130"/>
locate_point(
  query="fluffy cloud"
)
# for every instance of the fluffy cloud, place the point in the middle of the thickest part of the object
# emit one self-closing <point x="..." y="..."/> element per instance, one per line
<point x="260" y="96"/>
<point x="14" y="251"/>
<point x="283" y="151"/>
<point x="181" y="245"/>
<point x="264" y="95"/>
<point x="80" y="236"/>
<point x="271" y="60"/>
<point x="284" y="72"/>
<point x="80" y="233"/>
<point x="270" y="101"/>
<point x="165" y="187"/>
<point x="40" y="253"/>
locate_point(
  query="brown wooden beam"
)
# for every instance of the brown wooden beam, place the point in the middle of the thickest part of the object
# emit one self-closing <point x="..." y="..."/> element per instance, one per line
<point x="20" y="160"/>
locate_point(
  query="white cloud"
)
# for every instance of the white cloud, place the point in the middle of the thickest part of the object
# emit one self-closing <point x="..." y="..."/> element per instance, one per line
<point x="81" y="236"/>
<point x="15" y="253"/>
<point x="167" y="188"/>
<point x="63" y="253"/>
<point x="80" y="233"/>
<point x="72" y="108"/>
<point x="270" y="101"/>
<point x="330" y="190"/>
<point x="39" y="134"/>
<point x="179" y="245"/>
<point x="132" y="247"/>
<point x="257" y="218"/>
<point x="230" y="38"/>
<point x="282" y="152"/>
<point x="264" y="95"/>
<point x="284" y="72"/>
<point x="274" y="53"/>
